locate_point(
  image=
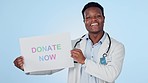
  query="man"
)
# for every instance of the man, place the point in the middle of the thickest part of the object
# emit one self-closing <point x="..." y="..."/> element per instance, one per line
<point x="98" y="58"/>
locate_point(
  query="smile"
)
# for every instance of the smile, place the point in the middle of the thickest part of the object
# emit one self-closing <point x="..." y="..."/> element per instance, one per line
<point x="94" y="24"/>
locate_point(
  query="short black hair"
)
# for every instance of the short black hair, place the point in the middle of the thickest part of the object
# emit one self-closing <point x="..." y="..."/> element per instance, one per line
<point x="92" y="4"/>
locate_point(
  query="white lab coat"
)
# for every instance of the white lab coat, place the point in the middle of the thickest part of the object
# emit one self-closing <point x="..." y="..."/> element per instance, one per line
<point x="105" y="73"/>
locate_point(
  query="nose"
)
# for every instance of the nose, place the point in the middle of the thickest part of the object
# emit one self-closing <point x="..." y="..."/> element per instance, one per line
<point x="94" y="18"/>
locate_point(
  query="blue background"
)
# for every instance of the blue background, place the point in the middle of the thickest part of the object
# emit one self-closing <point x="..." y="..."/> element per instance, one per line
<point x="126" y="21"/>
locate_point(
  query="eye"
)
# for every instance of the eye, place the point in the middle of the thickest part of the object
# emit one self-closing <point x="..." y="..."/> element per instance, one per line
<point x="98" y="16"/>
<point x="87" y="17"/>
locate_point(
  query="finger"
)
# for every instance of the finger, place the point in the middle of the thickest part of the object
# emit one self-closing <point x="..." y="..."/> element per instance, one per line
<point x="21" y="58"/>
<point x="78" y="50"/>
<point x="74" y="55"/>
<point x="18" y="61"/>
<point x="20" y="66"/>
<point x="75" y="52"/>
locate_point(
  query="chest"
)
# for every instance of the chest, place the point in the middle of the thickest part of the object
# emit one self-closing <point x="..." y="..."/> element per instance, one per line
<point x="91" y="51"/>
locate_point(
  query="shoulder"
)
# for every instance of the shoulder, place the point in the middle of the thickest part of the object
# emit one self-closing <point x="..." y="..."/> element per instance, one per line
<point x="116" y="43"/>
<point x="73" y="42"/>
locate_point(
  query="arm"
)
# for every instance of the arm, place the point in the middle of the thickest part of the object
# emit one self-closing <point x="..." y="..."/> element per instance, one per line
<point x="110" y="71"/>
<point x="47" y="72"/>
<point x="19" y="62"/>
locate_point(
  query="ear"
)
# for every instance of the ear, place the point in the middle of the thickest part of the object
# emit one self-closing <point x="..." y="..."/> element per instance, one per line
<point x="104" y="19"/>
<point x="84" y="20"/>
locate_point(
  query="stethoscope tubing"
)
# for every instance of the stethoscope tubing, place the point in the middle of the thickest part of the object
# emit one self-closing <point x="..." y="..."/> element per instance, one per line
<point x="105" y="54"/>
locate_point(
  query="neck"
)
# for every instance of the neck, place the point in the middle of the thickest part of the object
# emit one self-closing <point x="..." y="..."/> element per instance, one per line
<point x="95" y="37"/>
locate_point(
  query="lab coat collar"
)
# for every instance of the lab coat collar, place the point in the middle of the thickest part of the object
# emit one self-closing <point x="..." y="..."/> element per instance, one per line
<point x="102" y="49"/>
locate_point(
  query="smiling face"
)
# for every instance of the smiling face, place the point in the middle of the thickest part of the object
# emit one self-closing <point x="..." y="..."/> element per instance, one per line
<point x="94" y="20"/>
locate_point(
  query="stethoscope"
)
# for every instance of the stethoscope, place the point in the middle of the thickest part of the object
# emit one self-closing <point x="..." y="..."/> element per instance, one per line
<point x="103" y="59"/>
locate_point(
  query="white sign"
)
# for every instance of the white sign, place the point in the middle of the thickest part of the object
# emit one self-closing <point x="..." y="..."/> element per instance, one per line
<point x="46" y="52"/>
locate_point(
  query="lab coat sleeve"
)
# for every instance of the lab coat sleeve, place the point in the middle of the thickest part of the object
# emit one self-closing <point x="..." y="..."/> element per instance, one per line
<point x="47" y="72"/>
<point x="110" y="71"/>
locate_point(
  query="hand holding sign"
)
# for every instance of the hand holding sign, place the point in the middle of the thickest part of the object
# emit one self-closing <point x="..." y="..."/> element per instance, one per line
<point x="46" y="52"/>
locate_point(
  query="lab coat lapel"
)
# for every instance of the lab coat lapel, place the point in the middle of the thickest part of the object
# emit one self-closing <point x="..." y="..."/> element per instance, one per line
<point x="77" y="69"/>
<point x="83" y="44"/>
<point x="103" y="47"/>
<point x="77" y="65"/>
<point x="103" y="50"/>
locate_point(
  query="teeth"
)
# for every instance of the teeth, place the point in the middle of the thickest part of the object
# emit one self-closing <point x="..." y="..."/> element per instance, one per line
<point x="93" y="24"/>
